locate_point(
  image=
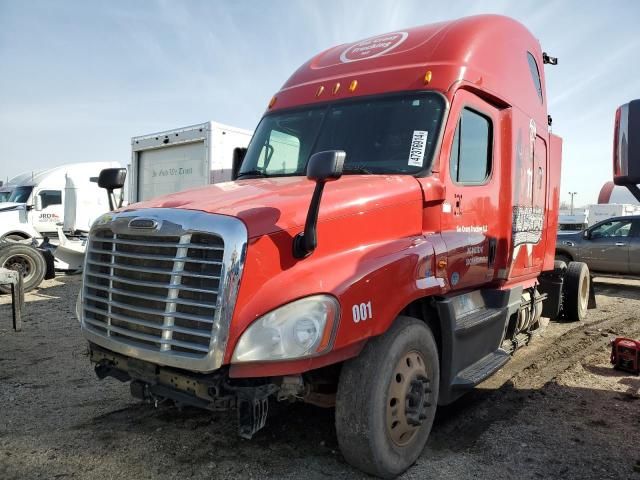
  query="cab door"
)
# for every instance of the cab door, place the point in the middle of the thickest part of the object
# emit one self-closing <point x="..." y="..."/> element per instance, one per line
<point x="48" y="210"/>
<point x="470" y="169"/>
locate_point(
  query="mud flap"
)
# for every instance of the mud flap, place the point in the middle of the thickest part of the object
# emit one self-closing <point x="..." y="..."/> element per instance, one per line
<point x="49" y="260"/>
<point x="592" y="295"/>
<point x="253" y="408"/>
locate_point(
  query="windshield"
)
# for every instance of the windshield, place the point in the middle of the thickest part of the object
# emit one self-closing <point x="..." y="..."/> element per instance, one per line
<point x="391" y="135"/>
<point x="4" y="196"/>
<point x="20" y="194"/>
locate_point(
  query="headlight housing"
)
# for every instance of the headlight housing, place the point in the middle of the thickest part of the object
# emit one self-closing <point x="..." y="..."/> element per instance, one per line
<point x="299" y="329"/>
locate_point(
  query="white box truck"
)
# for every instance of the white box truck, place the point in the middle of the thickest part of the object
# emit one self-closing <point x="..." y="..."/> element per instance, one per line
<point x="603" y="211"/>
<point x="175" y="160"/>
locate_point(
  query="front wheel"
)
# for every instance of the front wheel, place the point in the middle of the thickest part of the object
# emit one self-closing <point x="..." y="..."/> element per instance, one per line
<point x="576" y="291"/>
<point x="387" y="398"/>
<point x="26" y="260"/>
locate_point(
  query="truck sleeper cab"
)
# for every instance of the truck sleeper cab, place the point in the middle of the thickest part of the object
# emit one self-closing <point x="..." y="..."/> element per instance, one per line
<point x="388" y="243"/>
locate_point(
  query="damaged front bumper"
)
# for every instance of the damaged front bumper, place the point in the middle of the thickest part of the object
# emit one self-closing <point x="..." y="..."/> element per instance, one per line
<point x="214" y="391"/>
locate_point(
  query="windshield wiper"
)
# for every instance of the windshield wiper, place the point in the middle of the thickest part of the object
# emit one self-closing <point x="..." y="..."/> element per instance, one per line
<point x="357" y="169"/>
<point x="252" y="173"/>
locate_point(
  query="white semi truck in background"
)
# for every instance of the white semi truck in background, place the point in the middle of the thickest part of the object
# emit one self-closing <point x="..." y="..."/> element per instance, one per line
<point x="37" y="201"/>
<point x="43" y="224"/>
<point x="183" y="158"/>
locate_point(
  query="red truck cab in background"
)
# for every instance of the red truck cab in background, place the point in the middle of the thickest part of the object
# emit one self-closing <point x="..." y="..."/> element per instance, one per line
<point x="388" y="243"/>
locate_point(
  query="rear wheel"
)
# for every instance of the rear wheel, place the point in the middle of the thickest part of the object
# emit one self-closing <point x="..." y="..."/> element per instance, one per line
<point x="563" y="258"/>
<point x="387" y="398"/>
<point x="26" y="260"/>
<point x="576" y="291"/>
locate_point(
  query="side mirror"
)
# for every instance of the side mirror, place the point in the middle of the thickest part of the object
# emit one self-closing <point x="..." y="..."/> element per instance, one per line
<point x="626" y="146"/>
<point x="238" y="157"/>
<point x="322" y="167"/>
<point x="37" y="205"/>
<point x="586" y="234"/>
<point x="326" y="166"/>
<point x="111" y="179"/>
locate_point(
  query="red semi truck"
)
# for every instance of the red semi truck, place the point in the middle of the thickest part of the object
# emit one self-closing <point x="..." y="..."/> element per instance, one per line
<point x="387" y="244"/>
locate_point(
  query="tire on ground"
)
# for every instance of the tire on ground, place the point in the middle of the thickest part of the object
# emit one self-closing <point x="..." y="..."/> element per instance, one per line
<point x="576" y="291"/>
<point x="363" y="424"/>
<point x="26" y="259"/>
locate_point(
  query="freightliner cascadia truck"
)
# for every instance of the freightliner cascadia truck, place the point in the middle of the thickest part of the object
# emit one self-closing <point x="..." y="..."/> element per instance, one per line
<point x="387" y="244"/>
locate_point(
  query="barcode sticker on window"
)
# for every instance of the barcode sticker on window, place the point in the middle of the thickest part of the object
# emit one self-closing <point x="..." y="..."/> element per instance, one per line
<point x="418" y="147"/>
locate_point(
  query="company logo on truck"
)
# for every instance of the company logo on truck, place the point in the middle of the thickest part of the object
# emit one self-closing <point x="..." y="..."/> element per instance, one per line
<point x="49" y="217"/>
<point x="172" y="172"/>
<point x="373" y="47"/>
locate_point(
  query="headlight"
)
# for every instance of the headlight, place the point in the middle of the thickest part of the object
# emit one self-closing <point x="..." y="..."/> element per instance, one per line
<point x="299" y="329"/>
<point x="79" y="306"/>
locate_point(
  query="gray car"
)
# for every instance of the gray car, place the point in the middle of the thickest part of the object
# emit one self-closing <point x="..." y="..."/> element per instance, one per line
<point x="611" y="246"/>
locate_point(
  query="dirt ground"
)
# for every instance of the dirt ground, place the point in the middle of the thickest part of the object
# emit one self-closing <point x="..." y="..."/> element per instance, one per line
<point x="556" y="410"/>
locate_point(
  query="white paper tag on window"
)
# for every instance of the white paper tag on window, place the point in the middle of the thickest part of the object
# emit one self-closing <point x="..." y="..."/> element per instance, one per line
<point x="418" y="146"/>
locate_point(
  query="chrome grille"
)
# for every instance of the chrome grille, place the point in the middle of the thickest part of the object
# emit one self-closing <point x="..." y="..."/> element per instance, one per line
<point x="163" y="290"/>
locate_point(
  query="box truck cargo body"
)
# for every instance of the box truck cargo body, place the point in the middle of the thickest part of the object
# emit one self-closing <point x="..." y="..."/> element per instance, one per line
<point x="600" y="212"/>
<point x="175" y="160"/>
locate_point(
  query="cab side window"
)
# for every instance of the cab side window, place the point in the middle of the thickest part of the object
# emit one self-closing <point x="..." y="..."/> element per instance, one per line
<point x="286" y="148"/>
<point x="616" y="228"/>
<point x="470" y="162"/>
<point x="535" y="74"/>
<point x="50" y="197"/>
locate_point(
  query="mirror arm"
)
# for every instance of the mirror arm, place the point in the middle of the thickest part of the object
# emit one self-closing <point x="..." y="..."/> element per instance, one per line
<point x="305" y="242"/>
<point x="110" y="196"/>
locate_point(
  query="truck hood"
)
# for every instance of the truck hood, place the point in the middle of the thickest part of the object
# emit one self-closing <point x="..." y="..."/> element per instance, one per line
<point x="274" y="204"/>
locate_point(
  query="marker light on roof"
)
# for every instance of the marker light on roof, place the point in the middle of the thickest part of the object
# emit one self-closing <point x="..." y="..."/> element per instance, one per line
<point x="272" y="102"/>
<point x="320" y="90"/>
<point x="336" y="87"/>
<point x="353" y="85"/>
<point x="427" y="77"/>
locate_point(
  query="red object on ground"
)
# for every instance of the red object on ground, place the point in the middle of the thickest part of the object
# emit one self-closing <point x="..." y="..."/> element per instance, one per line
<point x="625" y="354"/>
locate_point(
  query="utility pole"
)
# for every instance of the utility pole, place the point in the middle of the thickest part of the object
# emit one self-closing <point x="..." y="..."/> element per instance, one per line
<point x="572" y="195"/>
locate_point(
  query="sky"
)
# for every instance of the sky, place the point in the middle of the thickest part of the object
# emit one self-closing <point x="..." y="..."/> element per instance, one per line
<point x="78" y="79"/>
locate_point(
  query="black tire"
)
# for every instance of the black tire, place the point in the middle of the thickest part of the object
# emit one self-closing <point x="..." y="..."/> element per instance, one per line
<point x="576" y="292"/>
<point x="25" y="259"/>
<point x="15" y="237"/>
<point x="563" y="258"/>
<point x="362" y="415"/>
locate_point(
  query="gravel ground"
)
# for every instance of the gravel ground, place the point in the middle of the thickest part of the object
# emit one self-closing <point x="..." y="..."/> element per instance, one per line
<point x="557" y="410"/>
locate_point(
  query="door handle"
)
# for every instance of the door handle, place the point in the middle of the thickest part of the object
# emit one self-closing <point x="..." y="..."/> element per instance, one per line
<point x="620" y="244"/>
